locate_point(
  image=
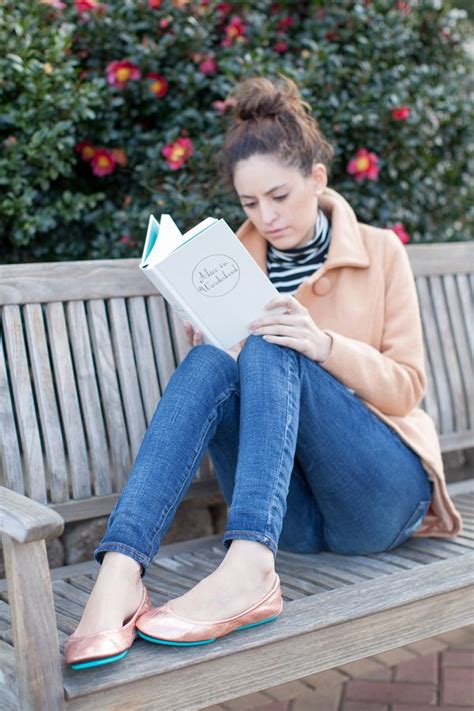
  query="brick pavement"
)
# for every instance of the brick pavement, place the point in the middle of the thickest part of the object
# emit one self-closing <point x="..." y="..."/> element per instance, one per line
<point x="435" y="673"/>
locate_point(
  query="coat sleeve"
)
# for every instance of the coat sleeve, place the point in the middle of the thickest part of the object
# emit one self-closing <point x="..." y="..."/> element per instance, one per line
<point x="393" y="379"/>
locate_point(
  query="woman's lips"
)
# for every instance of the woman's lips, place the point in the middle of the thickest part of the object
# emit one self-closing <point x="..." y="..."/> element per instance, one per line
<point x="275" y="232"/>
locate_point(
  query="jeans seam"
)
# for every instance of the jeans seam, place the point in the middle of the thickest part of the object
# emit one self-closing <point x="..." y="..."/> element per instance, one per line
<point x="277" y="478"/>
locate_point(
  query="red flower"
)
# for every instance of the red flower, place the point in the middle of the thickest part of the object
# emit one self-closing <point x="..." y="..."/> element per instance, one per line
<point x="178" y="152"/>
<point x="154" y="4"/>
<point x="224" y="8"/>
<point x="103" y="162"/>
<point x="234" y="29"/>
<point x="280" y="46"/>
<point x="285" y="23"/>
<point x="208" y="65"/>
<point x="401" y="232"/>
<point x="86" y="150"/>
<point x="83" y="6"/>
<point x="364" y="165"/>
<point x="165" y="21"/>
<point x="119" y="73"/>
<point x="159" y="85"/>
<point x="401" y="113"/>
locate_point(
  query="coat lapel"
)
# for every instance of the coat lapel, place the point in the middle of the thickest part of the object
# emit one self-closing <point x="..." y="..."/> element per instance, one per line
<point x="346" y="248"/>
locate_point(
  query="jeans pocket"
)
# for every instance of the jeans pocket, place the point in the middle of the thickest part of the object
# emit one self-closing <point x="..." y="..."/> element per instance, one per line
<point x="411" y="525"/>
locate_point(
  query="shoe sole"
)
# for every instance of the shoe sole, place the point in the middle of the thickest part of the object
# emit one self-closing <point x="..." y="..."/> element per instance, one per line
<point x="99" y="662"/>
<point x="156" y="640"/>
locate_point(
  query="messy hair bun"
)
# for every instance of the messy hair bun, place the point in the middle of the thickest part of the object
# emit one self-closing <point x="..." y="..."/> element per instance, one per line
<point x="270" y="117"/>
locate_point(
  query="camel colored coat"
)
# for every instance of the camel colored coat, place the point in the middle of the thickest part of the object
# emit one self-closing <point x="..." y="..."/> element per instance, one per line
<point x="364" y="297"/>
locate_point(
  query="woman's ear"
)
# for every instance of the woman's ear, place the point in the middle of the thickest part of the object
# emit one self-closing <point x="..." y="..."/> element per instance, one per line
<point x="320" y="177"/>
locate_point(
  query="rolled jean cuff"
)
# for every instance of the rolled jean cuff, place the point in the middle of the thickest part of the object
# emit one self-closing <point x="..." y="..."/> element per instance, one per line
<point x="250" y="536"/>
<point x="126" y="550"/>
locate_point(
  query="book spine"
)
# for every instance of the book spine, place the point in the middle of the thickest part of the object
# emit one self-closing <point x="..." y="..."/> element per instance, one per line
<point x="178" y="303"/>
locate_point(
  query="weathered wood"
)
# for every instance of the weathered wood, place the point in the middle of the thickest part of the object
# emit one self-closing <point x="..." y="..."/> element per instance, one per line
<point x="324" y="624"/>
<point x="39" y="677"/>
<point x="26" y="520"/>
<point x="109" y="278"/>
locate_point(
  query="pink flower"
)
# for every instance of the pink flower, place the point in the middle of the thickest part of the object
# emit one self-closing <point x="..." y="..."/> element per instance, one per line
<point x="401" y="232"/>
<point x="83" y="6"/>
<point x="280" y="46"/>
<point x="222" y="106"/>
<point x="401" y="113"/>
<point x="119" y="73"/>
<point x="364" y="165"/>
<point x="208" y="65"/>
<point x="159" y="85"/>
<point x="57" y="4"/>
<point x="233" y="30"/>
<point x="178" y="152"/>
<point x="103" y="162"/>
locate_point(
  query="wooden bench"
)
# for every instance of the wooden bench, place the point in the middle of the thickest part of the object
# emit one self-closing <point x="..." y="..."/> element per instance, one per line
<point x="87" y="348"/>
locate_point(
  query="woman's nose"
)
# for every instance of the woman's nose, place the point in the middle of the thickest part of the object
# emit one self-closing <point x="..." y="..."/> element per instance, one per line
<point x="268" y="214"/>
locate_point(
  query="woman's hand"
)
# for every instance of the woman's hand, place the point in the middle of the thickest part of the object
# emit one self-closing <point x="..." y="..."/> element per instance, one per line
<point x="294" y="329"/>
<point x="193" y="337"/>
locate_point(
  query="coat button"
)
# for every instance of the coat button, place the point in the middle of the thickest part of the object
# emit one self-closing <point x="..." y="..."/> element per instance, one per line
<point x="322" y="286"/>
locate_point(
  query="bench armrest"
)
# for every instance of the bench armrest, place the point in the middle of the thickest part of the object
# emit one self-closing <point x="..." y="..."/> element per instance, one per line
<point x="26" y="520"/>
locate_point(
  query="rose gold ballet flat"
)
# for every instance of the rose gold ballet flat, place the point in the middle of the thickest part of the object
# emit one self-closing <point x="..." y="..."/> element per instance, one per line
<point x="92" y="650"/>
<point x="163" y="626"/>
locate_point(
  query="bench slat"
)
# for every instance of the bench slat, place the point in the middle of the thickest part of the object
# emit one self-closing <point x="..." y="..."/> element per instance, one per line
<point x="47" y="406"/>
<point x="444" y="317"/>
<point x="34" y="475"/>
<point x="161" y="338"/>
<point x="69" y="401"/>
<point x="466" y="297"/>
<point x="435" y="355"/>
<point x="90" y="398"/>
<point x="127" y="373"/>
<point x="102" y="350"/>
<point x="461" y="341"/>
<point x="12" y="469"/>
<point x="143" y="350"/>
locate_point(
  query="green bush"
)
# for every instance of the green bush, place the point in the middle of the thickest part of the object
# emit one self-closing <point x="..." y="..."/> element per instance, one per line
<point x="84" y="128"/>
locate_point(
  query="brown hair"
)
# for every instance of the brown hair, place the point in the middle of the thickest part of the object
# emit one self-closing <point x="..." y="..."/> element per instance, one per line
<point x="270" y="117"/>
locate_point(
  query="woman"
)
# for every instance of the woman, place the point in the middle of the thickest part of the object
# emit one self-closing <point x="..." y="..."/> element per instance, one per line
<point x="311" y="422"/>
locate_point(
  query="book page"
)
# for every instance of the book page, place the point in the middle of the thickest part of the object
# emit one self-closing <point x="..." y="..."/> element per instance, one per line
<point x="221" y="282"/>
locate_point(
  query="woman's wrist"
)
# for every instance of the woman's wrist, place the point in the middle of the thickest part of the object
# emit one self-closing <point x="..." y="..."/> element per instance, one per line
<point x="325" y="349"/>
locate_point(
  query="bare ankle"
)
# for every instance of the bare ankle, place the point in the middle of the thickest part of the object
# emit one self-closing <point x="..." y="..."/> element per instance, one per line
<point x="250" y="555"/>
<point x="115" y="563"/>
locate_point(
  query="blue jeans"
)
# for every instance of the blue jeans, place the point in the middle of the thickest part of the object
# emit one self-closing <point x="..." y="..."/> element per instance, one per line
<point x="303" y="464"/>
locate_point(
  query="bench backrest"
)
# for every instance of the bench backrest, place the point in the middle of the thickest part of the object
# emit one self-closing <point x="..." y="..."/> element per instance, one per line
<point x="87" y="348"/>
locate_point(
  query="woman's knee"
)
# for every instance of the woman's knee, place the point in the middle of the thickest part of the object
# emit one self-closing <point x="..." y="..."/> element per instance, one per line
<point x="206" y="364"/>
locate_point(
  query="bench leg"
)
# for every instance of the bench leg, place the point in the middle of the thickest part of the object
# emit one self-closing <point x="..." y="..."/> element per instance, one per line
<point x="37" y="652"/>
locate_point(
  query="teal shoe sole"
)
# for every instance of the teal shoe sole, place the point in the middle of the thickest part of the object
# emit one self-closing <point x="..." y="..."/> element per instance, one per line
<point x="155" y="640"/>
<point x="99" y="662"/>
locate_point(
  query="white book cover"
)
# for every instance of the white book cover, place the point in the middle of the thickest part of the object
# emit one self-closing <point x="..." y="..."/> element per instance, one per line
<point x="208" y="277"/>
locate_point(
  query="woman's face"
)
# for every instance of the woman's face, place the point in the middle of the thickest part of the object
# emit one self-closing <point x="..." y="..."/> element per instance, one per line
<point x="280" y="201"/>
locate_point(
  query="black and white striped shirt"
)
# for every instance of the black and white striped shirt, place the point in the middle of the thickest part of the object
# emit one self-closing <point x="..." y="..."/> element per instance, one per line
<point x="287" y="268"/>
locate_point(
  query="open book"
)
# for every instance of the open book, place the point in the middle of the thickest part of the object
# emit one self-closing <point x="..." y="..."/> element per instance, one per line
<point x="208" y="277"/>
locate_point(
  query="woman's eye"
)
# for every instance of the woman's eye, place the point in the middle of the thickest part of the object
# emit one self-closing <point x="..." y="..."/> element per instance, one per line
<point x="281" y="197"/>
<point x="277" y="197"/>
